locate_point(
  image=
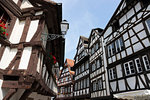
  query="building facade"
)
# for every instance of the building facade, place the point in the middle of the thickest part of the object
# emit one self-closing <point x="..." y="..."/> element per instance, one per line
<point x="99" y="86"/>
<point x="81" y="68"/>
<point x="26" y="59"/>
<point x="127" y="47"/>
<point x="65" y="81"/>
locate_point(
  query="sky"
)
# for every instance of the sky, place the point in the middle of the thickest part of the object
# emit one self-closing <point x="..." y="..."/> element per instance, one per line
<point x="83" y="16"/>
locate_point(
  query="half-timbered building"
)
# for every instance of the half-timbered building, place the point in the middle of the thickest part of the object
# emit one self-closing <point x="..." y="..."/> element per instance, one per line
<point x="26" y="59"/>
<point x="81" y="68"/>
<point x="127" y="46"/>
<point x="65" y="81"/>
<point x="98" y="74"/>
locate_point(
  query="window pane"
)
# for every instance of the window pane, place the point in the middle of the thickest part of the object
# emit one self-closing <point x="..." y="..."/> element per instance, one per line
<point x="121" y="44"/>
<point x="138" y="65"/>
<point x="146" y="62"/>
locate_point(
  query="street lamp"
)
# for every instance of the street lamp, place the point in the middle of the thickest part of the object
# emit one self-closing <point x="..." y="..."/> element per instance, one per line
<point x="64" y="25"/>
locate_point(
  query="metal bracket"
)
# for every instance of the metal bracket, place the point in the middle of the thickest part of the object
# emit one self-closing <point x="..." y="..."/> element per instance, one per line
<point x="50" y="37"/>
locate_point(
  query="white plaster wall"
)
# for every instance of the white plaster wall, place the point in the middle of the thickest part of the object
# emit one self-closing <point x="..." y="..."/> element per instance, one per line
<point x="39" y="13"/>
<point x="32" y="30"/>
<point x="134" y="39"/>
<point x="131" y="81"/>
<point x="25" y="58"/>
<point x="17" y="31"/>
<point x="113" y="85"/>
<point x="6" y="60"/>
<point x="121" y="85"/>
<point x="146" y="42"/>
<point x="40" y="63"/>
<point x="1" y="92"/>
<point x="137" y="7"/>
<point x="138" y="27"/>
<point x="122" y="19"/>
<point x="119" y="70"/>
<point x="15" y="1"/>
<point x="108" y="31"/>
<point x="45" y="32"/>
<point x="138" y="46"/>
<point x="25" y="4"/>
<point x="130" y="13"/>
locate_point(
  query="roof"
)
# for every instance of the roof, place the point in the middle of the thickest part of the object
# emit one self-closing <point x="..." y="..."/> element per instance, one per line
<point x="84" y="38"/>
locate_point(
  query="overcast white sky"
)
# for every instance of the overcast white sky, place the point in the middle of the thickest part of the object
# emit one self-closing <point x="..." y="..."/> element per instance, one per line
<point x="83" y="16"/>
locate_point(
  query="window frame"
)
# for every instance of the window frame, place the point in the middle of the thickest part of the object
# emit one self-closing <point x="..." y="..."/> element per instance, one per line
<point x="112" y="73"/>
<point x="137" y="65"/>
<point x="145" y="62"/>
<point x="129" y="67"/>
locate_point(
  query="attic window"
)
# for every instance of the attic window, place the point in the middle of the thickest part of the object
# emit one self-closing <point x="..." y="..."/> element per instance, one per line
<point x="116" y="25"/>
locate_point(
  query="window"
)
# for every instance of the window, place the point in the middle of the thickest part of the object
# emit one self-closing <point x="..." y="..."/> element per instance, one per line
<point x="86" y="65"/>
<point x="129" y="68"/>
<point x="82" y="67"/>
<point x="84" y="83"/>
<point x="93" y="67"/>
<point x="79" y="70"/>
<point x="87" y="82"/>
<point x="76" y="86"/>
<point x="111" y="49"/>
<point x="100" y="84"/>
<point x="119" y="45"/>
<point x="115" y="47"/>
<point x="79" y="85"/>
<point x="112" y="73"/>
<point x="138" y="65"/>
<point x="148" y="24"/>
<point x="146" y="62"/>
<point x="94" y="86"/>
<point x="69" y="89"/>
<point x="76" y="71"/>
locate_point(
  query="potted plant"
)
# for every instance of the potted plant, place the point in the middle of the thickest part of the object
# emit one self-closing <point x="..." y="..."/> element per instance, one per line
<point x="3" y="33"/>
<point x="52" y="59"/>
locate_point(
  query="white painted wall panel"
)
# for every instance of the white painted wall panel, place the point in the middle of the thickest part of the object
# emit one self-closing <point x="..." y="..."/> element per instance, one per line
<point x="121" y="85"/>
<point x="138" y="27"/>
<point x="137" y="7"/>
<point x="108" y="31"/>
<point x="134" y="39"/>
<point x="127" y="43"/>
<point x="142" y="34"/>
<point x="125" y="36"/>
<point x="6" y="60"/>
<point x="17" y="31"/>
<point x="138" y="46"/>
<point x="129" y="51"/>
<point x="146" y="42"/>
<point x="26" y="4"/>
<point x="141" y="84"/>
<point x="123" y="54"/>
<point x="32" y="29"/>
<point x="113" y="85"/>
<point x="122" y="19"/>
<point x="119" y="71"/>
<point x="130" y="13"/>
<point x="25" y="58"/>
<point x="131" y="81"/>
<point x="131" y="33"/>
<point x="15" y="1"/>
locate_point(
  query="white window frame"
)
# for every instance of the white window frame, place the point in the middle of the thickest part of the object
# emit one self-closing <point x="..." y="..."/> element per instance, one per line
<point x="112" y="75"/>
<point x="145" y="62"/>
<point x="129" y="67"/>
<point x="136" y="64"/>
<point x="100" y="84"/>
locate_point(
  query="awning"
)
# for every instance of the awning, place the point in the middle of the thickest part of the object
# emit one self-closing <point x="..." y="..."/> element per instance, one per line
<point x="134" y="95"/>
